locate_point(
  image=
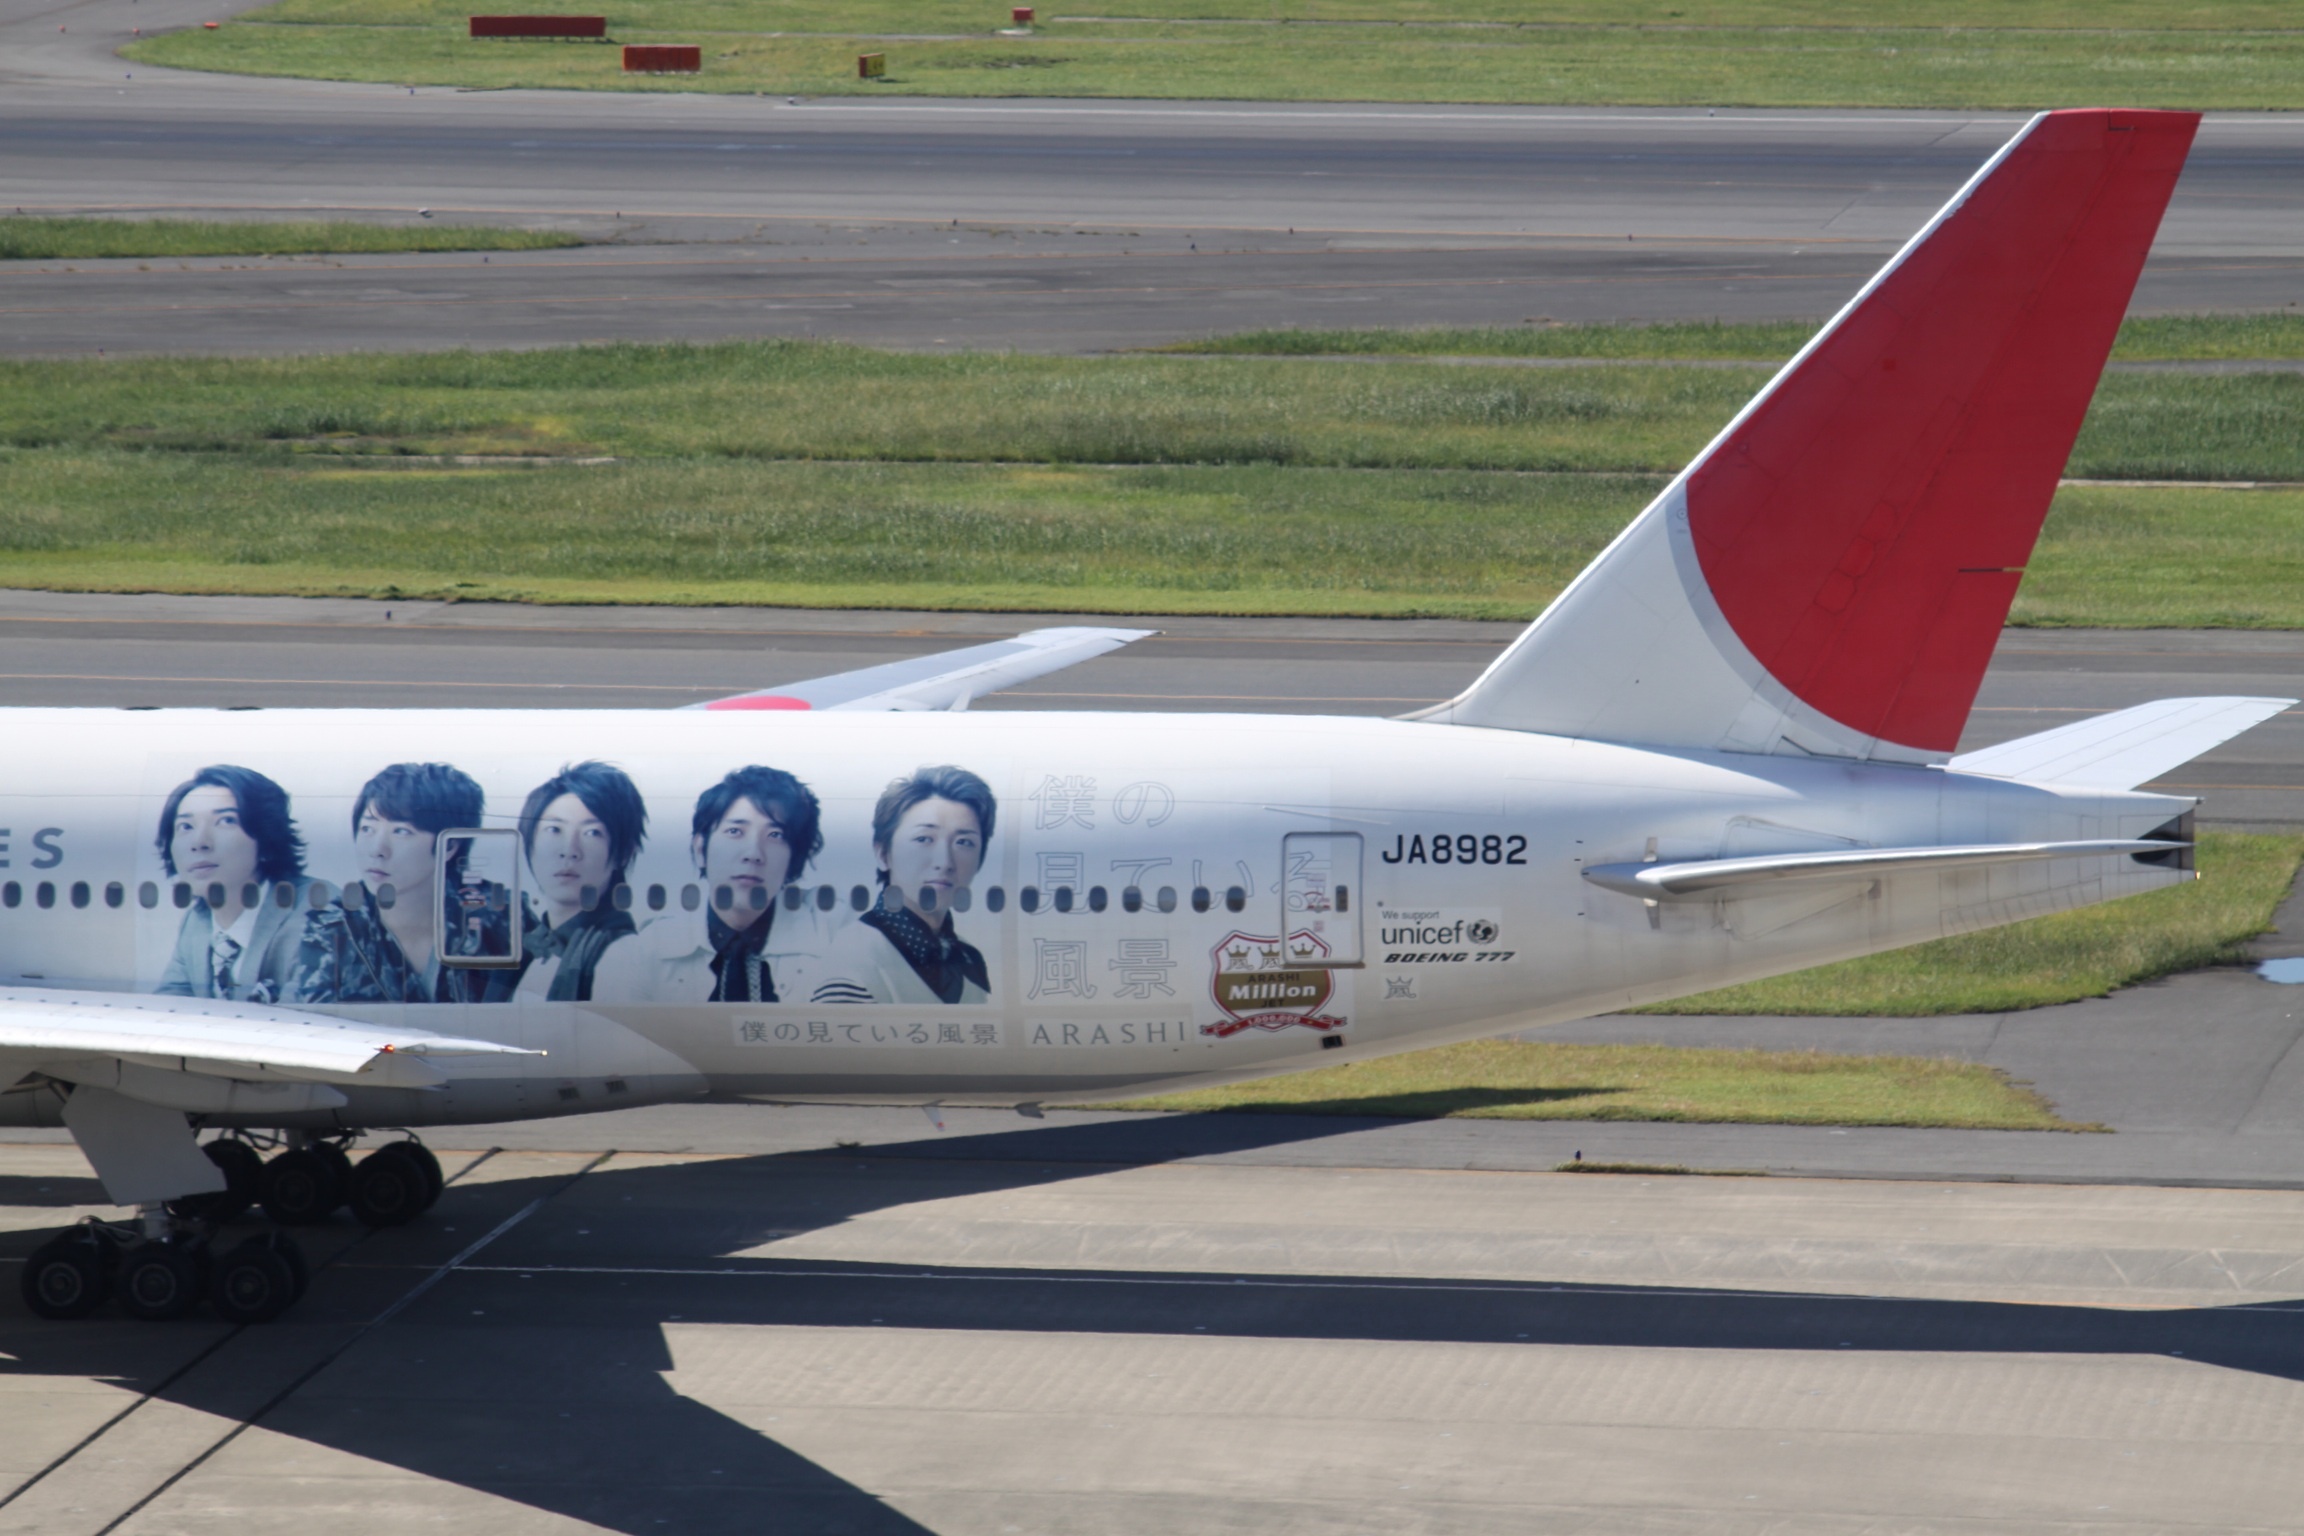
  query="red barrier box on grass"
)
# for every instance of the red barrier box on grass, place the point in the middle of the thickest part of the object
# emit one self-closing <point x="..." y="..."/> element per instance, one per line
<point x="663" y="58"/>
<point x="540" y="26"/>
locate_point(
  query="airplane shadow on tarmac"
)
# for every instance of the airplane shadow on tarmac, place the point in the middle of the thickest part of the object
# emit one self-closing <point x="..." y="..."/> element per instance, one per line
<point x="535" y="1372"/>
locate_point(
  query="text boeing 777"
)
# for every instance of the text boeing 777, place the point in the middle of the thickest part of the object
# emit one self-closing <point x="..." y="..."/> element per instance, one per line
<point x="1727" y="750"/>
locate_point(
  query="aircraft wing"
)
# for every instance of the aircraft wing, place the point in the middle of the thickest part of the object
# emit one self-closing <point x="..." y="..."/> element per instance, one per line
<point x="1703" y="879"/>
<point x="2125" y="748"/>
<point x="946" y="680"/>
<point x="248" y="1042"/>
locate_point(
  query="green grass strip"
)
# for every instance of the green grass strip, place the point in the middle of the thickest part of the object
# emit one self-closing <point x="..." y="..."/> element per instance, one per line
<point x="2234" y="57"/>
<point x="2058" y="959"/>
<point x="1535" y="1080"/>
<point x="27" y="238"/>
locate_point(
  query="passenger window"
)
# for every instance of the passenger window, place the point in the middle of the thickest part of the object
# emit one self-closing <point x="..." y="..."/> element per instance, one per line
<point x="45" y="894"/>
<point x="1199" y="898"/>
<point x="995" y="899"/>
<point x="80" y="893"/>
<point x="251" y="894"/>
<point x="690" y="898"/>
<point x="826" y="898"/>
<point x="1063" y="898"/>
<point x="11" y="895"/>
<point x="962" y="899"/>
<point x="1167" y="898"/>
<point x="1132" y="900"/>
<point x="1029" y="898"/>
<point x="724" y="898"/>
<point x="588" y="898"/>
<point x="182" y="895"/>
<point x="794" y="898"/>
<point x="859" y="898"/>
<point x="319" y="895"/>
<point x="115" y="894"/>
<point x="756" y="897"/>
<point x="215" y="894"/>
<point x="147" y="896"/>
<point x="1235" y="899"/>
<point x="620" y="897"/>
<point x="927" y="897"/>
<point x="284" y="896"/>
<point x="1096" y="899"/>
<point x="655" y="898"/>
<point x="387" y="896"/>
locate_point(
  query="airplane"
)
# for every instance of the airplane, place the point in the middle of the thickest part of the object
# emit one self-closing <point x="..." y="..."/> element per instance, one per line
<point x="1729" y="749"/>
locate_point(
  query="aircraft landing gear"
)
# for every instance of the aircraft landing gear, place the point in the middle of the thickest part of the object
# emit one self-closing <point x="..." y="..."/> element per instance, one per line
<point x="160" y="1269"/>
<point x="394" y="1184"/>
<point x="304" y="1185"/>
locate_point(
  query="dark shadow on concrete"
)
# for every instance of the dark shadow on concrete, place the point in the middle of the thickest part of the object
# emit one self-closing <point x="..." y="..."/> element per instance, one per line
<point x="534" y="1373"/>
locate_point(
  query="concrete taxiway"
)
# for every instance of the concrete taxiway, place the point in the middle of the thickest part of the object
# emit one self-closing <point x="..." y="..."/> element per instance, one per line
<point x="1041" y="225"/>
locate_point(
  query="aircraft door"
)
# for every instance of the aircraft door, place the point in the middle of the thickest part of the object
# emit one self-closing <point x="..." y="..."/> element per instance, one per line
<point x="480" y="911"/>
<point x="1321" y="897"/>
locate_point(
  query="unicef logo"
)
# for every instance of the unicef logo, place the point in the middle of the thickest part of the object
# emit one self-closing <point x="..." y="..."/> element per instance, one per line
<point x="1480" y="931"/>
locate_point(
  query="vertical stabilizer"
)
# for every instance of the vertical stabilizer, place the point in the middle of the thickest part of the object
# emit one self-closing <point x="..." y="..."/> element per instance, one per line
<point x="1830" y="575"/>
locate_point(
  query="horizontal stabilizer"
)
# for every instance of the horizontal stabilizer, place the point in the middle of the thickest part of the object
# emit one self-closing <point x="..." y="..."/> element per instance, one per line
<point x="2125" y="748"/>
<point x="239" y="1040"/>
<point x="1703" y="879"/>
<point x="946" y="680"/>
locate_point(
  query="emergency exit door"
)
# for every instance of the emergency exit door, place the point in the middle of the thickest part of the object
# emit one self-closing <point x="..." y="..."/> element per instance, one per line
<point x="1320" y="898"/>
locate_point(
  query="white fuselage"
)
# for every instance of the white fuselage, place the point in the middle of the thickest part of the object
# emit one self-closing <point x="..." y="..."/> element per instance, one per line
<point x="1467" y="904"/>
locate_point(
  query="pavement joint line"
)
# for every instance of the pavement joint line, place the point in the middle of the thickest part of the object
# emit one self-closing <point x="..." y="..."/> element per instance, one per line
<point x="198" y="1360"/>
<point x="305" y="1376"/>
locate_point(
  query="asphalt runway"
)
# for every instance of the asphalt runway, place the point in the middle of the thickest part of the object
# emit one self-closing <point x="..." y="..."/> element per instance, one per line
<point x="1039" y="225"/>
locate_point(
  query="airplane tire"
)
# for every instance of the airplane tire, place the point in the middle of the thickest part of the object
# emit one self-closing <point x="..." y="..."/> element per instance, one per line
<point x="160" y="1282"/>
<point x="252" y="1284"/>
<point x="302" y="1187"/>
<point x="388" y="1188"/>
<point x="66" y="1277"/>
<point x="434" y="1180"/>
<point x="244" y="1183"/>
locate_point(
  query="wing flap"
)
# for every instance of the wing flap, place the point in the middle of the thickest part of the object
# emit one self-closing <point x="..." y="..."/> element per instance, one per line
<point x="946" y="680"/>
<point x="1704" y="879"/>
<point x="2125" y="748"/>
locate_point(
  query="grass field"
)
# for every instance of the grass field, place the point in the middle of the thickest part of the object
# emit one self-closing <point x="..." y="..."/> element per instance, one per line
<point x="1532" y="1080"/>
<point x="24" y="238"/>
<point x="2055" y="959"/>
<point x="1933" y="53"/>
<point x="2156" y="338"/>
<point x="836" y="476"/>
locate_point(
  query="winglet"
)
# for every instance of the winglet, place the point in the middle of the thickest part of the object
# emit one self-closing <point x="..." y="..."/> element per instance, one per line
<point x="946" y="680"/>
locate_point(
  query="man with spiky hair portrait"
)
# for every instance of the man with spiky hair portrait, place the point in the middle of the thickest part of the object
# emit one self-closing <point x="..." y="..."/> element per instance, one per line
<point x="753" y="835"/>
<point x="228" y="840"/>
<point x="379" y="941"/>
<point x="580" y="831"/>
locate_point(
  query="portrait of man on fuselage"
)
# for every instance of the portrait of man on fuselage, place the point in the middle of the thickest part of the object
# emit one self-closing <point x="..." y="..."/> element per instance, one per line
<point x="580" y="831"/>
<point x="753" y="834"/>
<point x="228" y="841"/>
<point x="929" y="833"/>
<point x="379" y="941"/>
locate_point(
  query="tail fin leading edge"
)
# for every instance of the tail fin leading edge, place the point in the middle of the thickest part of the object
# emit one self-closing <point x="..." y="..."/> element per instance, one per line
<point x="1830" y="575"/>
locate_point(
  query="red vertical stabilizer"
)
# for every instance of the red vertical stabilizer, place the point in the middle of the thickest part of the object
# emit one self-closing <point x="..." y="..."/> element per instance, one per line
<point x="1848" y="548"/>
